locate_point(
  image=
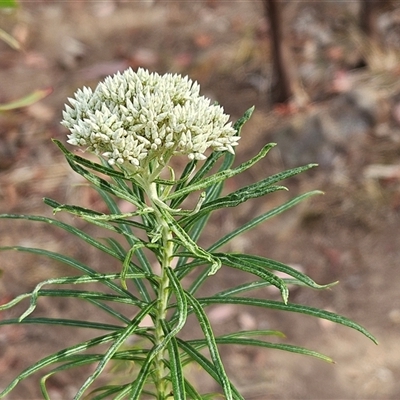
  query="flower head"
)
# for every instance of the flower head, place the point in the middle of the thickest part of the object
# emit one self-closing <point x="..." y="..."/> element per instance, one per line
<point x="135" y="118"/>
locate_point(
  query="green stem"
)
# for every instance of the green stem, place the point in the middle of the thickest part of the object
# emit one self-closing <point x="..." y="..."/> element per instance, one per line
<point x="161" y="382"/>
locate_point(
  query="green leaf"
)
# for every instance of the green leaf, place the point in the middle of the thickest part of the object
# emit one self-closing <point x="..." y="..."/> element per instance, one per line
<point x="262" y="262"/>
<point x="277" y="305"/>
<point x="106" y="186"/>
<point x="82" y="235"/>
<point x="212" y="192"/>
<point x="74" y="162"/>
<point x="62" y="322"/>
<point x="94" y="216"/>
<point x="205" y="168"/>
<point x="254" y="332"/>
<point x="58" y="357"/>
<point x="261" y="343"/>
<point x="245" y="287"/>
<point x="8" y="4"/>
<point x="127" y="233"/>
<point x="258" y="220"/>
<point x="232" y="200"/>
<point x="68" y="228"/>
<point x="106" y="308"/>
<point x="242" y="265"/>
<point x="206" y="365"/>
<point x="242" y="120"/>
<point x="222" y="175"/>
<point x="72" y="280"/>
<point x="211" y="344"/>
<point x="189" y="244"/>
<point x="132" y="267"/>
<point x="74" y="159"/>
<point x="101" y="220"/>
<point x="280" y="176"/>
<point x="84" y="359"/>
<point x="92" y="297"/>
<point x="180" y="295"/>
<point x="73" y="263"/>
<point x="28" y="100"/>
<point x="185" y="269"/>
<point x="240" y="196"/>
<point x="177" y="375"/>
<point x="123" y="334"/>
<point x="109" y="390"/>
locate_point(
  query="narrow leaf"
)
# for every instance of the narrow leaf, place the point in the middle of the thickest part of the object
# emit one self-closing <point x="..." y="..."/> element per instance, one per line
<point x="28" y="100"/>
<point x="123" y="334"/>
<point x="254" y="332"/>
<point x="211" y="193"/>
<point x="252" y="268"/>
<point x="177" y="376"/>
<point x="12" y="42"/>
<point x="62" y="322"/>
<point x="206" y="365"/>
<point x="247" y="259"/>
<point x="258" y="220"/>
<point x="127" y="232"/>
<point x="211" y="344"/>
<point x="74" y="162"/>
<point x="181" y="302"/>
<point x="261" y="343"/>
<point x="189" y="244"/>
<point x="58" y="357"/>
<point x="185" y="269"/>
<point x="93" y="216"/>
<point x="143" y="262"/>
<point x="86" y="295"/>
<point x="72" y="280"/>
<point x="135" y="389"/>
<point x="75" y="159"/>
<point x="277" y="305"/>
<point x="246" y="287"/>
<point x="222" y="175"/>
<point x="68" y="228"/>
<point x="238" y="125"/>
<point x="203" y="171"/>
<point x="232" y="200"/>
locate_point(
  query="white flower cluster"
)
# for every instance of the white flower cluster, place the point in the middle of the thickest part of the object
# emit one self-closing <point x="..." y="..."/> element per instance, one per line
<point x="136" y="117"/>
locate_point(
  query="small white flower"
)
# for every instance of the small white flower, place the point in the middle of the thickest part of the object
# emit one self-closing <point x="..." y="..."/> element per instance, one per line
<point x="136" y="118"/>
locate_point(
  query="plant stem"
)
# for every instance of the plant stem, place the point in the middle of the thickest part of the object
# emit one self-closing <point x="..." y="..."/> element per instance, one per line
<point x="161" y="382"/>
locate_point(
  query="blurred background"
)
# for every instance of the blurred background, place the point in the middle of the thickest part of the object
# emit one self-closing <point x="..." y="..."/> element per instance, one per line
<point x="324" y="76"/>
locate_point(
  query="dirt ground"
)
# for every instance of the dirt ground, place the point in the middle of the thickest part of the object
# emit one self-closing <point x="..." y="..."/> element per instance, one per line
<point x="349" y="123"/>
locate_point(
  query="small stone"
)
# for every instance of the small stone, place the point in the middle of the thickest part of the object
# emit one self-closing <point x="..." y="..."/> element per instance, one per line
<point x="247" y="321"/>
<point x="394" y="316"/>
